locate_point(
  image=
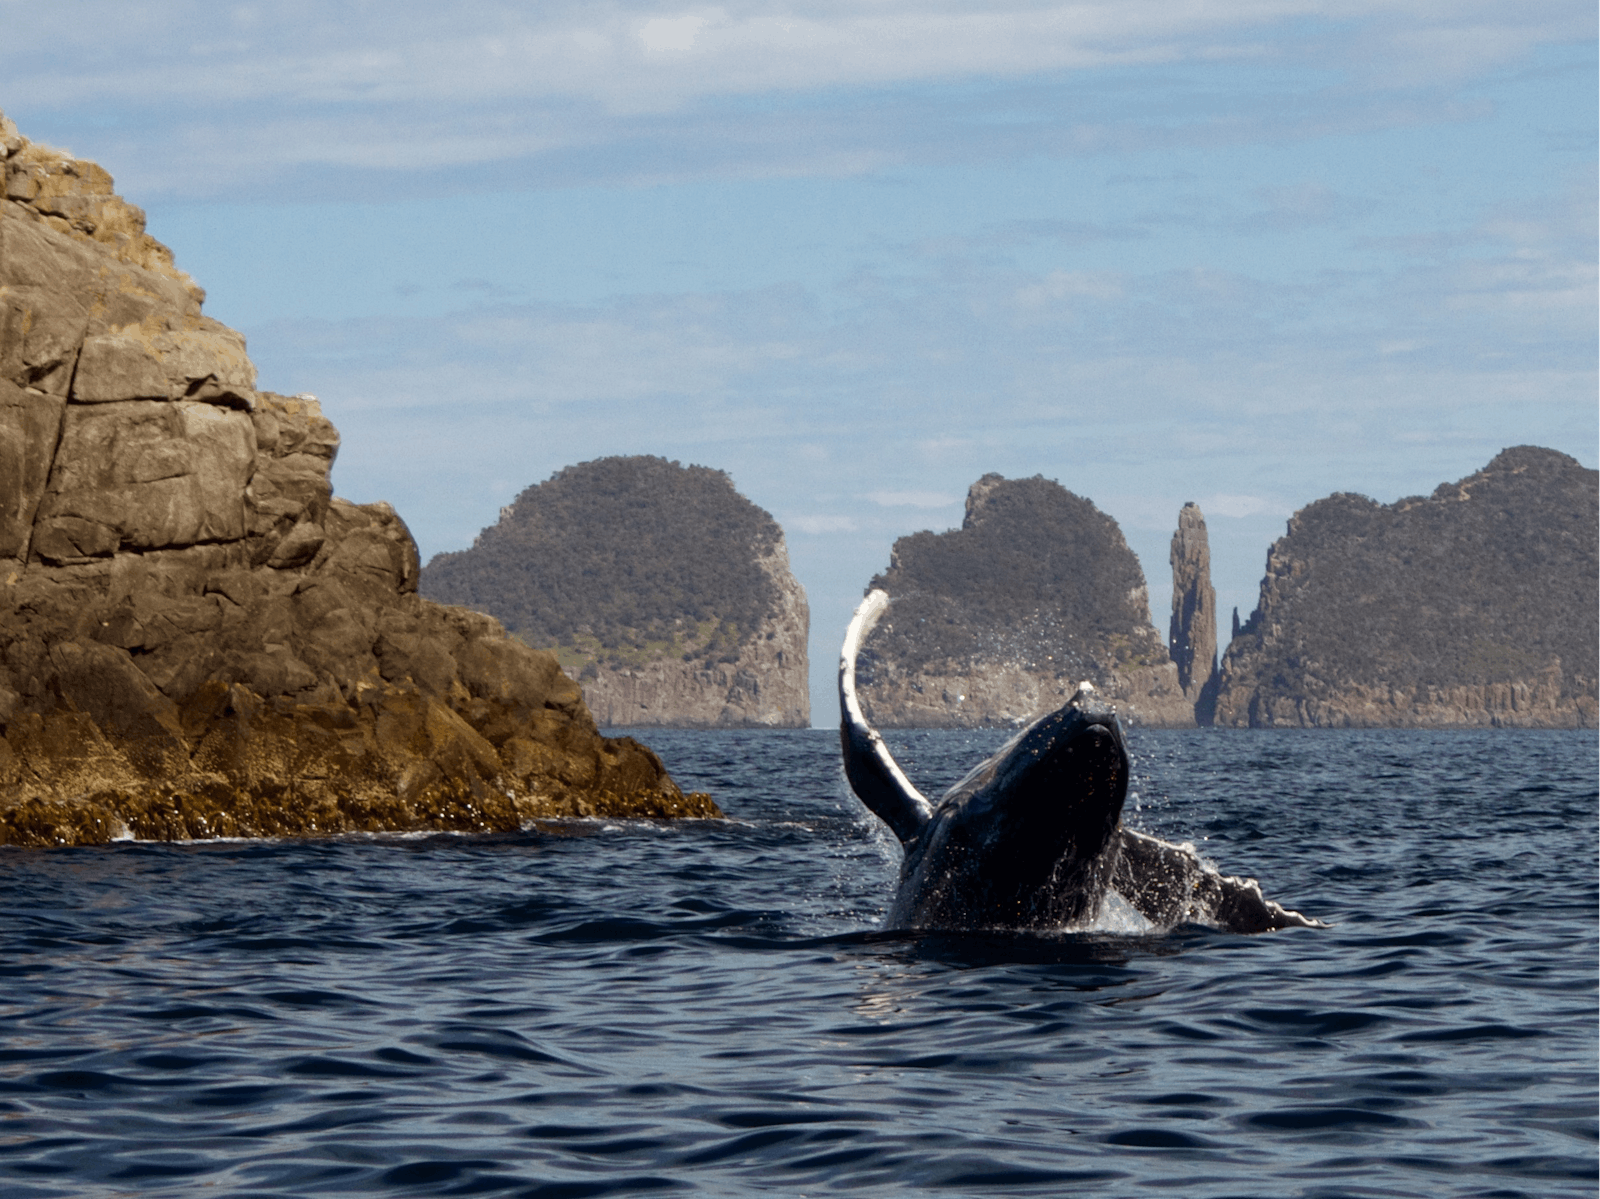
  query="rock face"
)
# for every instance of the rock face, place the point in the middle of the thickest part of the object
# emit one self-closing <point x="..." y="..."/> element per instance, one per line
<point x="660" y="587"/>
<point x="1472" y="607"/>
<point x="998" y="621"/>
<point x="766" y="685"/>
<point x="1192" y="641"/>
<point x="196" y="638"/>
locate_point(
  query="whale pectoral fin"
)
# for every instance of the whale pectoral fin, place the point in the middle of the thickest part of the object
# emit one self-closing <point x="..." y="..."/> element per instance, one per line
<point x="874" y="775"/>
<point x="1169" y="885"/>
<point x="879" y="783"/>
<point x="1237" y="905"/>
<point x="1155" y="877"/>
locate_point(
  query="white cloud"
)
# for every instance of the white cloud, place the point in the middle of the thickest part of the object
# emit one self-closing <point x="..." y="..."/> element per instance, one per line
<point x="1064" y="286"/>
<point x="912" y="499"/>
<point x="819" y="525"/>
<point x="406" y="85"/>
<point x="667" y="35"/>
<point x="1445" y="46"/>
<point x="1403" y="346"/>
<point x="1239" y="506"/>
<point x="624" y="56"/>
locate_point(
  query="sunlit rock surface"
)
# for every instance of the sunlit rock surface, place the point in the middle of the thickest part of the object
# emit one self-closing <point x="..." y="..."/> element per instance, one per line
<point x="196" y="638"/>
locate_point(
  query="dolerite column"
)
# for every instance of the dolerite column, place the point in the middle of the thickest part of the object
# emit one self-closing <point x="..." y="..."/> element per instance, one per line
<point x="1193" y="638"/>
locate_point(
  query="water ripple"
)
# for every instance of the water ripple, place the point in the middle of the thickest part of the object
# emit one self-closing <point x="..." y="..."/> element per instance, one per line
<point x="604" y="1008"/>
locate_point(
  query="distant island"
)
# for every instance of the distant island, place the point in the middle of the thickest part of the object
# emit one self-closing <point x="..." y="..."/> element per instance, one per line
<point x="998" y="621"/>
<point x="661" y="589"/>
<point x="197" y="638"/>
<point x="1475" y="606"/>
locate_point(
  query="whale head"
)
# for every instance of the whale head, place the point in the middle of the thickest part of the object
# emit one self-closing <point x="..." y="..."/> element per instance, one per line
<point x="1060" y="783"/>
<point x="1028" y="839"/>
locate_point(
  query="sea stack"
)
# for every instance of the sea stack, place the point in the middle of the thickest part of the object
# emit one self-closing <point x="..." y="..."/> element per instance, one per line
<point x="1472" y="607"/>
<point x="197" y="638"/>
<point x="997" y="622"/>
<point x="665" y="592"/>
<point x="1192" y="640"/>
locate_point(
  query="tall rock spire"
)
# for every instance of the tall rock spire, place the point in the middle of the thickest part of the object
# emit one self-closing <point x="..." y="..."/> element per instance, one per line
<point x="1192" y="641"/>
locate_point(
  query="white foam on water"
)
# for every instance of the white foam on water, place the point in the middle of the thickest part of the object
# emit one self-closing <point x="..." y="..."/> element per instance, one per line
<point x="1117" y="915"/>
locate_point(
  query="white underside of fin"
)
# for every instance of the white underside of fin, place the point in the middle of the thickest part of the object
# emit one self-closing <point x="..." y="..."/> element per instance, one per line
<point x="863" y="622"/>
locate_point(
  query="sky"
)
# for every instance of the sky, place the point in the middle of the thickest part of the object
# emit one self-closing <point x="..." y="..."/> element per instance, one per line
<point x="1242" y="252"/>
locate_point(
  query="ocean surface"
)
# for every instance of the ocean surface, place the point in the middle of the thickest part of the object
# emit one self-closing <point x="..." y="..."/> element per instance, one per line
<point x="615" y="1008"/>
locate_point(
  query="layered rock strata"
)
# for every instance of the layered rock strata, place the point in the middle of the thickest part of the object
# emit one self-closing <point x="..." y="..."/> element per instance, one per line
<point x="661" y="588"/>
<point x="998" y="621"/>
<point x="1192" y="639"/>
<point x="1473" y="607"/>
<point x="196" y="638"/>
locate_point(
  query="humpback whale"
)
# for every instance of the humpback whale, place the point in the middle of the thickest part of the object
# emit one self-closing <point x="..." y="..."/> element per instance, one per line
<point x="1032" y="838"/>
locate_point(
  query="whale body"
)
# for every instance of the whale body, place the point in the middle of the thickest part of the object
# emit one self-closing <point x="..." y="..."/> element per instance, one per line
<point x="1032" y="838"/>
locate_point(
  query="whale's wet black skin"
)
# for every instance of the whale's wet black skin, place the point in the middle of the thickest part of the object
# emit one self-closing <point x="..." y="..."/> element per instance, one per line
<point x="1033" y="838"/>
<point x="1025" y="841"/>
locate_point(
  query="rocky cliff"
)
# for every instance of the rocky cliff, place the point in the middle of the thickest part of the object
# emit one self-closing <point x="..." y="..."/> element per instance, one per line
<point x="996" y="622"/>
<point x="661" y="588"/>
<point x="196" y="638"/>
<point x="1192" y="637"/>
<point x="1475" y="606"/>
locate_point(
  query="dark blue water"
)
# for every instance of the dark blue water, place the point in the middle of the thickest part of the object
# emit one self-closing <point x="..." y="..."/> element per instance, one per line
<point x="614" y="1008"/>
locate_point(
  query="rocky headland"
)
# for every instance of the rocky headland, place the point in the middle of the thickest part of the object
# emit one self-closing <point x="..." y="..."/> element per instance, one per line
<point x="1473" y="607"/>
<point x="665" y="592"/>
<point x="197" y="638"/>
<point x="997" y="622"/>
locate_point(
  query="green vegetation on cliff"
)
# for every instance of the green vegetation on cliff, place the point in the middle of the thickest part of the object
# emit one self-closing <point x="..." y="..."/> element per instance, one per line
<point x="622" y="560"/>
<point x="1034" y="573"/>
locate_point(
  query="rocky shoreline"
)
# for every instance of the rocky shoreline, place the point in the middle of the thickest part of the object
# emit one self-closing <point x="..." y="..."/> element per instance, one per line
<point x="199" y="639"/>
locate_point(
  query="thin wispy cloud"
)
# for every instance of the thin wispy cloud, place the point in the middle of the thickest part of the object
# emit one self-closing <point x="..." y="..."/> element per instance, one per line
<point x="1185" y="377"/>
<point x="817" y="526"/>
<point x="1240" y="506"/>
<point x="625" y="56"/>
<point x="913" y="499"/>
<point x="218" y="98"/>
